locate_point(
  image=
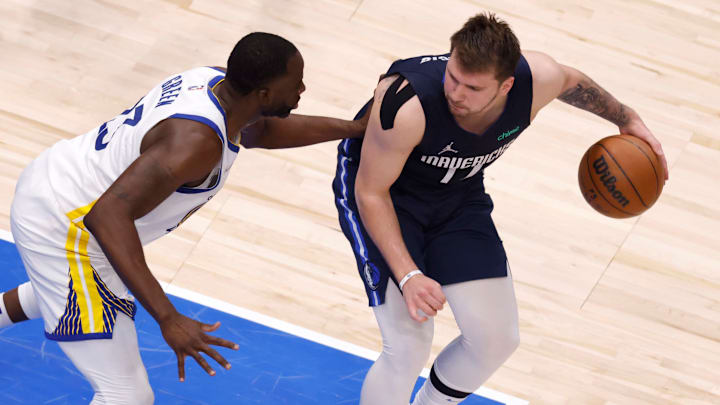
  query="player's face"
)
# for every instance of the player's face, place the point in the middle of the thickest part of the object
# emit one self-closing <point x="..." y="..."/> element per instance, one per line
<point x="283" y="93"/>
<point x="470" y="93"/>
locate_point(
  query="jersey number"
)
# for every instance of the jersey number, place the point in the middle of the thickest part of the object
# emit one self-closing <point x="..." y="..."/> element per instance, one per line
<point x="103" y="139"/>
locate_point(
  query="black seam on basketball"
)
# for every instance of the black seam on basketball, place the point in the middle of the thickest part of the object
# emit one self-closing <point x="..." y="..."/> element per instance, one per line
<point x="624" y="174"/>
<point x="440" y="386"/>
<point x="657" y="179"/>
<point x="587" y="159"/>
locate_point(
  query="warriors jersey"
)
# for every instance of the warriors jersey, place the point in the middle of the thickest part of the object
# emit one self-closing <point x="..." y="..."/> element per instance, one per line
<point x="81" y="169"/>
<point x="79" y="291"/>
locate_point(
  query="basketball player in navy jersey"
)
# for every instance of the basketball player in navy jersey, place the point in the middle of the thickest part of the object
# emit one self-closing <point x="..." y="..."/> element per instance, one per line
<point x="412" y="203"/>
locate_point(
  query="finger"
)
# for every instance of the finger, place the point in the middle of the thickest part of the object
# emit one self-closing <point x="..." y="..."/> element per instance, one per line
<point x="202" y="362"/>
<point x="438" y="294"/>
<point x="210" y="328"/>
<point x="181" y="367"/>
<point x="217" y="357"/>
<point x="412" y="309"/>
<point x="433" y="302"/>
<point x="213" y="340"/>
<point x="423" y="306"/>
<point x="657" y="148"/>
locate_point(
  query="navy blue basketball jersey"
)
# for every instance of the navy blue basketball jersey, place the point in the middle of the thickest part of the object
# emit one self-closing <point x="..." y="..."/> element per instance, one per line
<point x="449" y="155"/>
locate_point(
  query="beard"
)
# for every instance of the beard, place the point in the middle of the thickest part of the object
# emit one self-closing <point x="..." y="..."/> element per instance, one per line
<point x="279" y="112"/>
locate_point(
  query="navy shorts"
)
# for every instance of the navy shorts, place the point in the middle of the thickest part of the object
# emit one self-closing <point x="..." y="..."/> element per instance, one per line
<point x="449" y="232"/>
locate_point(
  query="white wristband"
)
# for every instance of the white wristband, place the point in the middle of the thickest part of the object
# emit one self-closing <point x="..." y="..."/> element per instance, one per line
<point x="408" y="277"/>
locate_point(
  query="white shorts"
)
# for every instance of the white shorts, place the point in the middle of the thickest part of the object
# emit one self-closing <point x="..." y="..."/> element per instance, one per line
<point x="78" y="292"/>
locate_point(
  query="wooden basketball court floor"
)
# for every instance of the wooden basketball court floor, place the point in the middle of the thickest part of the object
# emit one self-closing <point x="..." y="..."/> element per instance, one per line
<point x="611" y="311"/>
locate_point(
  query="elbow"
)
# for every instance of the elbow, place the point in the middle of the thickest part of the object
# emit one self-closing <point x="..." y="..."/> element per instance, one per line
<point x="92" y="219"/>
<point x="365" y="197"/>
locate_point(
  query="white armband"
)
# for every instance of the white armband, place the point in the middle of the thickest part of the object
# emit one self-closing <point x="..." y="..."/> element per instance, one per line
<point x="408" y="277"/>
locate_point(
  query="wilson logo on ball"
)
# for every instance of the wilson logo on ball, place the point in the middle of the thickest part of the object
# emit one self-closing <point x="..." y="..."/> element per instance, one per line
<point x="602" y="169"/>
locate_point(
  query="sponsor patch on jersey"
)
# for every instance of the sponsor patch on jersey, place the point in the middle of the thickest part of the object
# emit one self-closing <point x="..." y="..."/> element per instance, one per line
<point x="191" y="88"/>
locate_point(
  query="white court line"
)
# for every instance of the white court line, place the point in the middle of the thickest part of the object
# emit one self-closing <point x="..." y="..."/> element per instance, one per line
<point x="6" y="235"/>
<point x="297" y="330"/>
<point x="311" y="335"/>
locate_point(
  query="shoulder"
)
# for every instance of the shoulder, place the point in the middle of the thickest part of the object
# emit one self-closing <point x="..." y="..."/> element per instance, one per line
<point x="186" y="135"/>
<point x="397" y="102"/>
<point x="542" y="66"/>
<point x="548" y="79"/>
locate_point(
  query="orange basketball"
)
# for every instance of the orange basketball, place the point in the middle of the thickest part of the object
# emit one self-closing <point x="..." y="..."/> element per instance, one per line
<point x="620" y="176"/>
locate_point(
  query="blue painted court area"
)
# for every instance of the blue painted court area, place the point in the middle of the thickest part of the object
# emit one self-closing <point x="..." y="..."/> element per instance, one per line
<point x="271" y="367"/>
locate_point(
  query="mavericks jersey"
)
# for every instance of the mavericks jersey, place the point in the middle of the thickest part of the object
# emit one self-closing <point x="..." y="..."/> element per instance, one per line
<point x="83" y="168"/>
<point x="448" y="155"/>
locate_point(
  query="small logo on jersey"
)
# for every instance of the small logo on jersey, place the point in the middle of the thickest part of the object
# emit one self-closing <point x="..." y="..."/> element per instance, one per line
<point x="372" y="275"/>
<point x="448" y="148"/>
<point x="191" y="88"/>
<point x="434" y="58"/>
<point x="508" y="133"/>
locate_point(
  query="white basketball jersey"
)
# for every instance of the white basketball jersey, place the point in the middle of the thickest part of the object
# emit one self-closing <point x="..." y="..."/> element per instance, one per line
<point x="83" y="168"/>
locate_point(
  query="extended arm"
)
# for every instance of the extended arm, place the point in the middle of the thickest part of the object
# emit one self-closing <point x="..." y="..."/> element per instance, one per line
<point x="383" y="156"/>
<point x="552" y="80"/>
<point x="300" y="130"/>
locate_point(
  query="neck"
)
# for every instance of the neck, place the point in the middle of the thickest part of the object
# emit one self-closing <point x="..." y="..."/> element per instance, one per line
<point x="240" y="110"/>
<point x="479" y="121"/>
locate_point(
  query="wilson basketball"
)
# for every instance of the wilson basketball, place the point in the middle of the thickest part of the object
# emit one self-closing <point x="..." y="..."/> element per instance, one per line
<point x="620" y="176"/>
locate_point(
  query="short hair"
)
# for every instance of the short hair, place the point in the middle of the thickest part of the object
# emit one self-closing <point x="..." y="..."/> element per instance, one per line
<point x="486" y="43"/>
<point x="257" y="59"/>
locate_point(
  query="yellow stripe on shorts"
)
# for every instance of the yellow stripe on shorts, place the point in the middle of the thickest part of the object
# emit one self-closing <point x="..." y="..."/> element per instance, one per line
<point x="81" y="273"/>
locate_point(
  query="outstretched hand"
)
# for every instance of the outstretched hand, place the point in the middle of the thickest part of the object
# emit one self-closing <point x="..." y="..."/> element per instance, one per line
<point x="188" y="337"/>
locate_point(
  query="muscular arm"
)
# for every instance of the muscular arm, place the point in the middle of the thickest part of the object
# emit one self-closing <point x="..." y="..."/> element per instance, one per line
<point x="383" y="157"/>
<point x="552" y="80"/>
<point x="299" y="130"/>
<point x="179" y="151"/>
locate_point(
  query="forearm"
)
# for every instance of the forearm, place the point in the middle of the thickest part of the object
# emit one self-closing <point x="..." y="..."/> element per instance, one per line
<point x="380" y="219"/>
<point x="302" y="130"/>
<point x="119" y="240"/>
<point x="582" y="92"/>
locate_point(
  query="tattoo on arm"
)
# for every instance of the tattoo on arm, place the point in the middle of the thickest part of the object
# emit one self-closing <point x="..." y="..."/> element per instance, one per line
<point x="589" y="96"/>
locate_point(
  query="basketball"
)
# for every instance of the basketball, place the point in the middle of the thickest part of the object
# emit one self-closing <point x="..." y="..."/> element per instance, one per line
<point x="620" y="176"/>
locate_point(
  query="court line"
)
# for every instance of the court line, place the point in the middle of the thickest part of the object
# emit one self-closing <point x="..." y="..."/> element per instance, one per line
<point x="296" y="330"/>
<point x="6" y="236"/>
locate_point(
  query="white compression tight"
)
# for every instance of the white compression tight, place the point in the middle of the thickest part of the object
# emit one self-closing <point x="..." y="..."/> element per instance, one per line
<point x="113" y="366"/>
<point x="486" y="313"/>
<point x="28" y="303"/>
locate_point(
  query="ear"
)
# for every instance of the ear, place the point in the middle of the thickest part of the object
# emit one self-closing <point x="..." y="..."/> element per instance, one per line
<point x="263" y="95"/>
<point x="507" y="85"/>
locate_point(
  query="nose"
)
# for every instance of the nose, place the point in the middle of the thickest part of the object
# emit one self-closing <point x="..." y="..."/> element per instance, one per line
<point x="302" y="88"/>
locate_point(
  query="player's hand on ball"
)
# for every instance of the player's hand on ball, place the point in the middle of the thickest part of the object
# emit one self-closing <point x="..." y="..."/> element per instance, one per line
<point x="636" y="127"/>
<point x="188" y="337"/>
<point x="424" y="294"/>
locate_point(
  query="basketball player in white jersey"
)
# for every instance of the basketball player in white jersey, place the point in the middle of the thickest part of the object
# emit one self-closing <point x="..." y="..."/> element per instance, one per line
<point x="85" y="207"/>
<point x="412" y="203"/>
